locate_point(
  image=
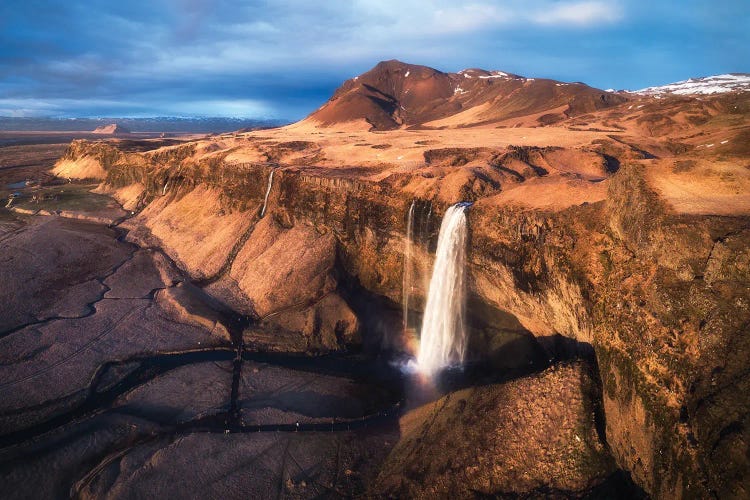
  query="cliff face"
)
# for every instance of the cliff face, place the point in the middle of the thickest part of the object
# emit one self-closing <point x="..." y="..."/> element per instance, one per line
<point x="674" y="313"/>
<point x="660" y="297"/>
<point x="643" y="288"/>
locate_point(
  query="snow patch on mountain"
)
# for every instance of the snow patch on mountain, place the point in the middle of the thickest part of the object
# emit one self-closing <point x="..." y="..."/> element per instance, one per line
<point x="716" y="84"/>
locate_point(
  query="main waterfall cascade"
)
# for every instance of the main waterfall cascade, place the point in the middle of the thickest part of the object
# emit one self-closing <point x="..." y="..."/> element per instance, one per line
<point x="443" y="336"/>
<point x="268" y="191"/>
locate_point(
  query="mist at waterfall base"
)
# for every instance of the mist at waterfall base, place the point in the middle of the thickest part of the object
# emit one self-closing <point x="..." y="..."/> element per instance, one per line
<point x="443" y="337"/>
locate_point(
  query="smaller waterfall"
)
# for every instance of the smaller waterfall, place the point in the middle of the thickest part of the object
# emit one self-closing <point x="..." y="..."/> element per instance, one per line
<point x="164" y="189"/>
<point x="407" y="274"/>
<point x="443" y="336"/>
<point x="424" y="237"/>
<point x="268" y="191"/>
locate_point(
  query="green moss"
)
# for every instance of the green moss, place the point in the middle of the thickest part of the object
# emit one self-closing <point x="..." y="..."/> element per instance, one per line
<point x="70" y="197"/>
<point x="670" y="458"/>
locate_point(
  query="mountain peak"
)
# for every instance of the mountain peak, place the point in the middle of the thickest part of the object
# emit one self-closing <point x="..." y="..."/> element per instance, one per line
<point x="395" y="94"/>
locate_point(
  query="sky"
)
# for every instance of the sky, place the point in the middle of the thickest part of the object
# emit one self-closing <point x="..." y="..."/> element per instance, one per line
<point x="283" y="59"/>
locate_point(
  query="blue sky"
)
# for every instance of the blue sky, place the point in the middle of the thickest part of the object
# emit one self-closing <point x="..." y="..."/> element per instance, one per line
<point x="282" y="59"/>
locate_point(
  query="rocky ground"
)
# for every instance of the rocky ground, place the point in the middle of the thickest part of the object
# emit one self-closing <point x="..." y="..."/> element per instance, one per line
<point x="108" y="390"/>
<point x="538" y="437"/>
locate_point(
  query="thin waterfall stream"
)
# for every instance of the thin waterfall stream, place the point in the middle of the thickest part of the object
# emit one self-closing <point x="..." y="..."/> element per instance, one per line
<point x="414" y="273"/>
<point x="407" y="273"/>
<point x="268" y="191"/>
<point x="424" y="236"/>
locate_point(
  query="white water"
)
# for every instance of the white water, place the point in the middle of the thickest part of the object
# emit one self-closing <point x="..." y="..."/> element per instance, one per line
<point x="443" y="336"/>
<point x="268" y="191"/>
<point x="407" y="274"/>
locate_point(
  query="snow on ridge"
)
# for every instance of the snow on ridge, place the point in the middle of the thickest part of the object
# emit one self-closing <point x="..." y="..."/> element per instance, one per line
<point x="715" y="84"/>
<point x="742" y="77"/>
<point x="485" y="74"/>
<point x="495" y="74"/>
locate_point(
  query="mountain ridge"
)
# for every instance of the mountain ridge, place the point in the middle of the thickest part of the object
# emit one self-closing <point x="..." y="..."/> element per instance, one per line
<point x="394" y="94"/>
<point x="704" y="85"/>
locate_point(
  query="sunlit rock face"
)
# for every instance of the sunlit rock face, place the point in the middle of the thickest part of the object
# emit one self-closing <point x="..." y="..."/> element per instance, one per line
<point x="536" y="435"/>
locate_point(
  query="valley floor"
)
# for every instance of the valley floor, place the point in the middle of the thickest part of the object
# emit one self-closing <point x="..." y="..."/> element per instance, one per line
<point x="106" y="389"/>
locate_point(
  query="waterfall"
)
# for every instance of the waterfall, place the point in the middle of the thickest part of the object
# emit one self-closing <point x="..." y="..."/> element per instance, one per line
<point x="424" y="237"/>
<point x="407" y="274"/>
<point x="443" y="336"/>
<point x="268" y="191"/>
<point x="164" y="190"/>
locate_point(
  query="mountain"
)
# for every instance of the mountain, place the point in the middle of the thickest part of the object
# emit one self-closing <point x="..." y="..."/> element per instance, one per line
<point x="111" y="129"/>
<point x="394" y="94"/>
<point x="717" y="84"/>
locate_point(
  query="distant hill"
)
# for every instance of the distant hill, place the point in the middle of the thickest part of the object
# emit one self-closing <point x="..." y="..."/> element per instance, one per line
<point x="111" y="129"/>
<point x="394" y="94"/>
<point x="135" y="125"/>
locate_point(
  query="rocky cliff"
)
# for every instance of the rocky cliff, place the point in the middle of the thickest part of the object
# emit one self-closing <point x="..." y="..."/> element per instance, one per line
<point x="661" y="298"/>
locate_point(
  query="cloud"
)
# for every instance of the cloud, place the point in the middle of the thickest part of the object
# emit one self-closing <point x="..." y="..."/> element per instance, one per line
<point x="29" y="107"/>
<point x="581" y="14"/>
<point x="438" y="17"/>
<point x="236" y="108"/>
<point x="451" y="19"/>
<point x="157" y="106"/>
<point x="420" y="18"/>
